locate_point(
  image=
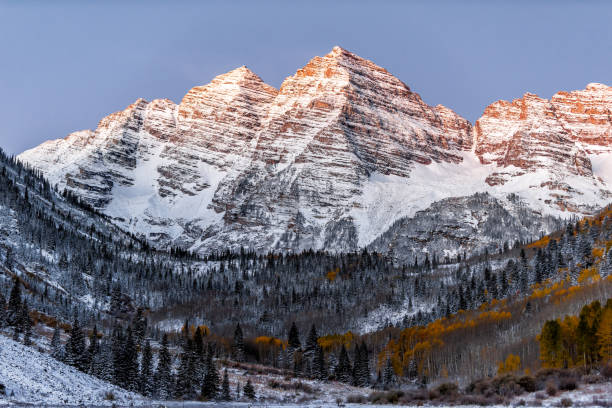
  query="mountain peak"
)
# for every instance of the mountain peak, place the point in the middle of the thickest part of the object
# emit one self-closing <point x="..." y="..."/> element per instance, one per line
<point x="597" y="86"/>
<point x="237" y="75"/>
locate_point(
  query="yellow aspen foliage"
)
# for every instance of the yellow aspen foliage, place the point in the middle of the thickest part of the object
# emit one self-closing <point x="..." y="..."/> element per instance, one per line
<point x="588" y="274"/>
<point x="331" y="275"/>
<point x="511" y="365"/>
<point x="336" y="341"/>
<point x="604" y="335"/>
<point x="269" y="341"/>
<point x="597" y="252"/>
<point x="540" y="243"/>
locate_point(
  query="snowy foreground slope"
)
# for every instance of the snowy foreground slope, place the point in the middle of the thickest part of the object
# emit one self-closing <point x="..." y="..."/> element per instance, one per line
<point x="31" y="377"/>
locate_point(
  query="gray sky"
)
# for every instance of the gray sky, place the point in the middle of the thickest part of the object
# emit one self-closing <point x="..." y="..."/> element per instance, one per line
<point x="65" y="65"/>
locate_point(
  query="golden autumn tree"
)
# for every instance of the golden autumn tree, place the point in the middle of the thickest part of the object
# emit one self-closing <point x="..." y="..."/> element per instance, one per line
<point x="511" y="365"/>
<point x="604" y="335"/>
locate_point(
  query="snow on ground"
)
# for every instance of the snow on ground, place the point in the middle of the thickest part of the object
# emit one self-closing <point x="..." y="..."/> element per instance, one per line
<point x="587" y="395"/>
<point x="31" y="377"/>
<point x="385" y="314"/>
<point x="387" y="198"/>
<point x="602" y="166"/>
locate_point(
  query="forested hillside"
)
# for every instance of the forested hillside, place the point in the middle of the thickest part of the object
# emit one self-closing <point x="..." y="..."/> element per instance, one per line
<point x="167" y="323"/>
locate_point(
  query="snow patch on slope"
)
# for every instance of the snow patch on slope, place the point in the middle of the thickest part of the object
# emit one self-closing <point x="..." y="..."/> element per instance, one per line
<point x="31" y="377"/>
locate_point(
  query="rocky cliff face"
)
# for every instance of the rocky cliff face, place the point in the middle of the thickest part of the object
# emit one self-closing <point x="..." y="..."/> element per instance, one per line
<point x="463" y="225"/>
<point x="552" y="142"/>
<point x="330" y="160"/>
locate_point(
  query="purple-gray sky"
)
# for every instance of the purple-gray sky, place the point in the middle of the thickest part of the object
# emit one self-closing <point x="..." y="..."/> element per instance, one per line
<point x="65" y="65"/>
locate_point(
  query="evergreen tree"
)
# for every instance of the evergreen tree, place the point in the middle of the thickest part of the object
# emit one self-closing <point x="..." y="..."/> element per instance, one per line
<point x="75" y="347"/>
<point x="102" y="363"/>
<point x="210" y="387"/>
<point x="248" y="390"/>
<point x="145" y="384"/>
<point x="26" y="323"/>
<point x="363" y="367"/>
<point x="225" y="387"/>
<point x="3" y="313"/>
<point x="388" y="374"/>
<point x="93" y="349"/>
<point x="163" y="374"/>
<point x="119" y="364"/>
<point x="56" y="346"/>
<point x="343" y="369"/>
<point x="140" y="327"/>
<point x="185" y="375"/>
<point x="294" y="358"/>
<point x="14" y="305"/>
<point x="293" y="340"/>
<point x="238" y="346"/>
<point x="199" y="359"/>
<point x="130" y="357"/>
<point x="319" y="367"/>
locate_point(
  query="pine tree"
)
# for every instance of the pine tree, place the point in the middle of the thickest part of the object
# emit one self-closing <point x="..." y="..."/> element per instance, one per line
<point x="163" y="374"/>
<point x="363" y="368"/>
<point x="248" y="390"/>
<point x="293" y="340"/>
<point x="130" y="357"/>
<point x="320" y="367"/>
<point x="14" y="305"/>
<point x="356" y="362"/>
<point x="145" y="386"/>
<point x="185" y="375"/>
<point x="75" y="347"/>
<point x="310" y="351"/>
<point x="3" y="313"/>
<point x="102" y="363"/>
<point x="119" y="364"/>
<point x="389" y="374"/>
<point x="26" y="323"/>
<point x="238" y="346"/>
<point x="225" y="387"/>
<point x="93" y="349"/>
<point x="56" y="346"/>
<point x="343" y="369"/>
<point x="294" y="358"/>
<point x="199" y="357"/>
<point x="140" y="327"/>
<point x="210" y="387"/>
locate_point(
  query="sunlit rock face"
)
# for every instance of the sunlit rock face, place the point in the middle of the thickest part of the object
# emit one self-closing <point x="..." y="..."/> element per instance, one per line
<point x="330" y="160"/>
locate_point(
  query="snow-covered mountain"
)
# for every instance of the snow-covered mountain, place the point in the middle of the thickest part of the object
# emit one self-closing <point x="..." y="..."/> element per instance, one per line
<point x="330" y="160"/>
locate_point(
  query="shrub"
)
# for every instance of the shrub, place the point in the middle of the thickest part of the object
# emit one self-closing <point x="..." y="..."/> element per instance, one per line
<point x="356" y="399"/>
<point x="386" y="397"/>
<point x="607" y="370"/>
<point x="591" y="379"/>
<point x="540" y="396"/>
<point x="109" y="396"/>
<point x="414" y="397"/>
<point x="447" y="389"/>
<point x="551" y="388"/>
<point x="527" y="383"/>
<point x="481" y="400"/>
<point x="566" y="402"/>
<point x="567" y="384"/>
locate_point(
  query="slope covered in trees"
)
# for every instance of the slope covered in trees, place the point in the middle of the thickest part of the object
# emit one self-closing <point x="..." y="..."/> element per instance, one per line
<point x="167" y="324"/>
